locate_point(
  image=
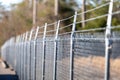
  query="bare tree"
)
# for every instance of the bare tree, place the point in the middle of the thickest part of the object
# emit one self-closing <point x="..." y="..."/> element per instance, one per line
<point x="34" y="13"/>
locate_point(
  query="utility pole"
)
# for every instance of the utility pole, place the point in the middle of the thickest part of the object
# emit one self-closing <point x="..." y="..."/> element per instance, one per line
<point x="34" y="12"/>
<point x="56" y="8"/>
<point x="83" y="13"/>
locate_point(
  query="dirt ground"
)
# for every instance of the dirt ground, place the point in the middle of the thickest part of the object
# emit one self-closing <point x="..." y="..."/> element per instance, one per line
<point x="91" y="68"/>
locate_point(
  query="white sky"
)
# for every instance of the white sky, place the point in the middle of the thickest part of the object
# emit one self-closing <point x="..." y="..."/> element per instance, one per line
<point x="8" y="2"/>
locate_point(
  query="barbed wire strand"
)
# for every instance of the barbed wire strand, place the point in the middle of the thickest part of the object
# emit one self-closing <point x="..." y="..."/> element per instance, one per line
<point x="64" y="33"/>
<point x="52" y="23"/>
<point x="65" y="26"/>
<point x="67" y="18"/>
<point x="91" y="19"/>
<point x="94" y="8"/>
<point x="50" y="31"/>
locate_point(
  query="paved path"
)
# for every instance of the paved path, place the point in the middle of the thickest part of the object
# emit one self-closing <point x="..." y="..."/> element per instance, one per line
<point x="7" y="74"/>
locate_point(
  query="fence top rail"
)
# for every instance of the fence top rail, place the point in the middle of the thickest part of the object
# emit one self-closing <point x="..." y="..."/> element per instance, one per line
<point x="106" y="4"/>
<point x="29" y="35"/>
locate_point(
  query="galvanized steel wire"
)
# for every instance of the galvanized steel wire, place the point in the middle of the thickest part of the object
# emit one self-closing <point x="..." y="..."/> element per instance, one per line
<point x="36" y="55"/>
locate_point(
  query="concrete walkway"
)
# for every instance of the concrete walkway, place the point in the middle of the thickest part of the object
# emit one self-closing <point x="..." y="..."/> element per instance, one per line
<point x="7" y="73"/>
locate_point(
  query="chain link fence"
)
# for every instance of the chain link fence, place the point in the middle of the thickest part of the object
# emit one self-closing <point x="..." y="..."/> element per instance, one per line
<point x="89" y="58"/>
<point x="51" y="53"/>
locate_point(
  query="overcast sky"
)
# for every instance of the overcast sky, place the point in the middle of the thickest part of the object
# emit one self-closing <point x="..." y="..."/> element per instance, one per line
<point x="8" y="2"/>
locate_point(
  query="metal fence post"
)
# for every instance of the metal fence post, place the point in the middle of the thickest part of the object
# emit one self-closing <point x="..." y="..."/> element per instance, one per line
<point x="25" y="55"/>
<point x="16" y="53"/>
<point x="22" y="58"/>
<point x="16" y="44"/>
<point x="107" y="42"/>
<point x="43" y="57"/>
<point x="19" y="56"/>
<point x="35" y="42"/>
<point x="72" y="47"/>
<point x="29" y="56"/>
<point x="55" y="51"/>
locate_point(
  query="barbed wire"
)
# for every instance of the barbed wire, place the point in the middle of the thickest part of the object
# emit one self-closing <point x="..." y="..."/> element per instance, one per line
<point x="96" y="29"/>
<point x="50" y="31"/>
<point x="41" y="27"/>
<point x="117" y="12"/>
<point x="113" y="27"/>
<point x="52" y="23"/>
<point x="64" y="33"/>
<point x="93" y="18"/>
<point x="90" y="19"/>
<point x="94" y="8"/>
<point x="66" y="26"/>
<point x="67" y="18"/>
